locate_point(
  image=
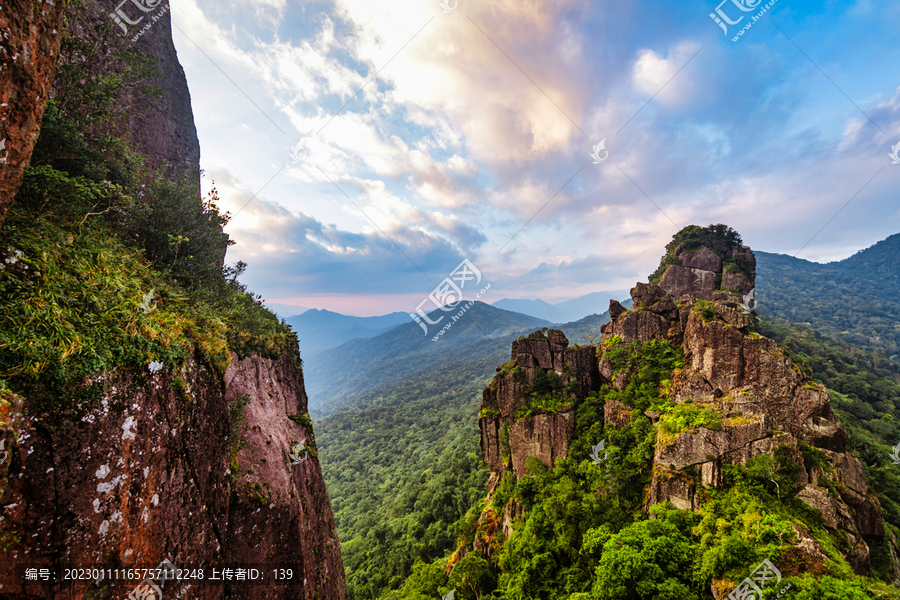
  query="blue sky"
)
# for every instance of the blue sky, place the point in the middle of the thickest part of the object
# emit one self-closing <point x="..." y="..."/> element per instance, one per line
<point x="480" y="115"/>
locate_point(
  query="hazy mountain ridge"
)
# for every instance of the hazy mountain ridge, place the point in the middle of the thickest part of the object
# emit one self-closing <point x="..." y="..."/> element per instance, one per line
<point x="856" y="299"/>
<point x="563" y="312"/>
<point x="337" y="375"/>
<point x="320" y="330"/>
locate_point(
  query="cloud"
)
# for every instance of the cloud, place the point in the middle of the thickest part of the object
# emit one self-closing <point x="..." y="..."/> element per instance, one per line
<point x="655" y="76"/>
<point x="479" y="117"/>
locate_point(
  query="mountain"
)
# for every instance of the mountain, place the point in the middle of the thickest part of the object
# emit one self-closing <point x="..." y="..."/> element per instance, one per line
<point x="856" y="299"/>
<point x="285" y="311"/>
<point x="336" y="376"/>
<point x="535" y="308"/>
<point x="322" y="329"/>
<point x="703" y="456"/>
<point x="563" y="312"/>
<point x="589" y="304"/>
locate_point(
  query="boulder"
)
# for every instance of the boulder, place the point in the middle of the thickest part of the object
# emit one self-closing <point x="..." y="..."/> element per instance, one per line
<point x="704" y="259"/>
<point x="616" y="309"/>
<point x="679" y="281"/>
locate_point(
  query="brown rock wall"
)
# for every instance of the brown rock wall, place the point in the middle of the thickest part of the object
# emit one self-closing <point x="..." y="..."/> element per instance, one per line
<point x="29" y="48"/>
<point x="144" y="476"/>
<point x="545" y="436"/>
<point x="162" y="128"/>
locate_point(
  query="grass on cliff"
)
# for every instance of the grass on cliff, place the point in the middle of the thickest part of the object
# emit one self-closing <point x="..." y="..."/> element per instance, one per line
<point x="89" y="303"/>
<point x="100" y="273"/>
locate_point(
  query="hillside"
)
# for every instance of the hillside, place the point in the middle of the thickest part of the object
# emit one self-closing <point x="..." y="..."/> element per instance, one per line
<point x="856" y="299"/>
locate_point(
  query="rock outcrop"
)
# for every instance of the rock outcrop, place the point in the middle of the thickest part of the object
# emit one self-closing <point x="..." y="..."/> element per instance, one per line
<point x="699" y="273"/>
<point x="146" y="475"/>
<point x="763" y="403"/>
<point x="509" y="431"/>
<point x="29" y="50"/>
<point x="766" y="403"/>
<point x="529" y="411"/>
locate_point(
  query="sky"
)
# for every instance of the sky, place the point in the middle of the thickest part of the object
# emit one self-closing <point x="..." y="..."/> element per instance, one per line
<point x="366" y="149"/>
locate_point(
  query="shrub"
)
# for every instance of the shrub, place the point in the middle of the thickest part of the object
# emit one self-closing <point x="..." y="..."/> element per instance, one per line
<point x="688" y="416"/>
<point x="189" y="247"/>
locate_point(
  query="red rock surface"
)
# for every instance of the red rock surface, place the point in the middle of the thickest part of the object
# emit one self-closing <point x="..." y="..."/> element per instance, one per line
<point x="29" y="48"/>
<point x="145" y="476"/>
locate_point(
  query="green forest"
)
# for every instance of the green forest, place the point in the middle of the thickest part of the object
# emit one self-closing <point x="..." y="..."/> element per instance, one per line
<point x="585" y="536"/>
<point x="854" y="300"/>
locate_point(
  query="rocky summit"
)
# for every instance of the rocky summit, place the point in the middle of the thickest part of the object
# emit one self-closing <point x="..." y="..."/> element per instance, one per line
<point x="758" y="402"/>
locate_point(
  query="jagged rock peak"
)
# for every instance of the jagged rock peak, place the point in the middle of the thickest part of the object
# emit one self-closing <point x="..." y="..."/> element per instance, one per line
<point x="700" y="261"/>
<point x="528" y="409"/>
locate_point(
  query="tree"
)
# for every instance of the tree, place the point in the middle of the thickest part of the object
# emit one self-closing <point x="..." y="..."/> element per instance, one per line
<point x="646" y="560"/>
<point x="472" y="577"/>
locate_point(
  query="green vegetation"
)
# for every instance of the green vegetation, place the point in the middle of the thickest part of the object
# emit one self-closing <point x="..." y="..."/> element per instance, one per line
<point x="856" y="300"/>
<point x="864" y="388"/>
<point x="303" y="420"/>
<point x="401" y="470"/>
<point x="110" y="265"/>
<point x="707" y="310"/>
<point x="546" y="393"/>
<point x="584" y="534"/>
<point x="688" y="416"/>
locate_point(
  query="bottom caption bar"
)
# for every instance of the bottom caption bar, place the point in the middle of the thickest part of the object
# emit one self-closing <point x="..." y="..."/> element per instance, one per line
<point x="147" y="582"/>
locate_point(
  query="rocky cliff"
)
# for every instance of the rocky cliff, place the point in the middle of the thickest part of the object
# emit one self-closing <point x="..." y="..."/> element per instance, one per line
<point x="162" y="127"/>
<point x="193" y="461"/>
<point x="29" y="49"/>
<point x="506" y="437"/>
<point x="762" y="403"/>
<point x="149" y="475"/>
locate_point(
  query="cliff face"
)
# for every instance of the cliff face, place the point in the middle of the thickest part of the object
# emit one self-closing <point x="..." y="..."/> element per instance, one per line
<point x="281" y="512"/>
<point x="766" y="404"/>
<point x="162" y="128"/>
<point x="146" y="476"/>
<point x="29" y="49"/>
<point x="182" y="462"/>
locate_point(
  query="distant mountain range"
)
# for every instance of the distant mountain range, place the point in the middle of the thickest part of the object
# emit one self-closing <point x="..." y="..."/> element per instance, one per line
<point x="563" y="312"/>
<point x="320" y="330"/>
<point x="856" y="299"/>
<point x="473" y="346"/>
<point x="283" y="311"/>
<point x="346" y="357"/>
<point x="339" y="374"/>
